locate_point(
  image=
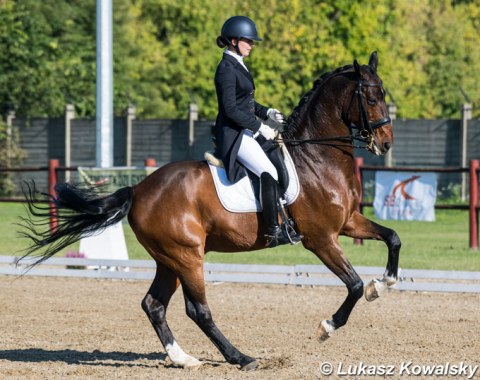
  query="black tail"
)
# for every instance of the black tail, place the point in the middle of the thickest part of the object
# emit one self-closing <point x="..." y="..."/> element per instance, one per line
<point x="80" y="212"/>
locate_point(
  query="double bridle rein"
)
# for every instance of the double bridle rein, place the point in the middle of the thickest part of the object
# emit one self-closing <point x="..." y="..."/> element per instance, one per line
<point x="366" y="129"/>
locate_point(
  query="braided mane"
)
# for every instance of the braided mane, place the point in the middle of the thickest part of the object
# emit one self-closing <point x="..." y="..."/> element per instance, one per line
<point x="297" y="113"/>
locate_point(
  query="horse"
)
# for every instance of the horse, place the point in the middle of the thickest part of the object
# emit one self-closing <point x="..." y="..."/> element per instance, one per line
<point x="177" y="218"/>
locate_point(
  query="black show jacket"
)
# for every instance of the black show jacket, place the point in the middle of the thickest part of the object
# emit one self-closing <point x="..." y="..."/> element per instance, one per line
<point x="237" y="111"/>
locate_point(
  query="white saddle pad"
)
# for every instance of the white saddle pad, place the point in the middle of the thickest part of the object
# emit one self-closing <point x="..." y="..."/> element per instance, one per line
<point x="240" y="197"/>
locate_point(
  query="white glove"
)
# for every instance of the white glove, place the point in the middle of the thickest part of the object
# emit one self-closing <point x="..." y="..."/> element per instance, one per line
<point x="276" y="115"/>
<point x="267" y="132"/>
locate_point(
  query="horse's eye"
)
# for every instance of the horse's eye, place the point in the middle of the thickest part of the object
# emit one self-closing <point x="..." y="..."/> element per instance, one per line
<point x="372" y="102"/>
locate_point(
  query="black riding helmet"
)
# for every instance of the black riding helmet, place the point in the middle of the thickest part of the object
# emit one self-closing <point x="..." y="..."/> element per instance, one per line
<point x="239" y="27"/>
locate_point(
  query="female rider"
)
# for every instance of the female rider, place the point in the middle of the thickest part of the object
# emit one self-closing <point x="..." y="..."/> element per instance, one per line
<point x="239" y="127"/>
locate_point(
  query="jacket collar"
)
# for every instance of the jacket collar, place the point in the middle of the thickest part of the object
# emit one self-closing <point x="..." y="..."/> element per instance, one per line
<point x="238" y="65"/>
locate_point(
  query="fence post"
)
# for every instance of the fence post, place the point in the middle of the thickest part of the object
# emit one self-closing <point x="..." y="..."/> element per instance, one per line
<point x="69" y="116"/>
<point x="474" y="167"/>
<point x="358" y="173"/>
<point x="392" y="112"/>
<point x="131" y="113"/>
<point x="192" y="117"/>
<point x="53" y="164"/>
<point x="9" y="143"/>
<point x="466" y="116"/>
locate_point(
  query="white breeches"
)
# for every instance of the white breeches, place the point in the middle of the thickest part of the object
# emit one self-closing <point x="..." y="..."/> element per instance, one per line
<point x="252" y="156"/>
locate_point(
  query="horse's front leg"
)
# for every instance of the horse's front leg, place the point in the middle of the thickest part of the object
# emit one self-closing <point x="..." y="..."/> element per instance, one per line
<point x="332" y="256"/>
<point x="360" y="227"/>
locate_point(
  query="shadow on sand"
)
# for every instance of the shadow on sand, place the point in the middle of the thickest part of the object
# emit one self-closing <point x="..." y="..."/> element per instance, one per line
<point x="96" y="357"/>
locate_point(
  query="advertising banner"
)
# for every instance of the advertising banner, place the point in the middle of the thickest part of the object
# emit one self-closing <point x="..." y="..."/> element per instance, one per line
<point x="405" y="195"/>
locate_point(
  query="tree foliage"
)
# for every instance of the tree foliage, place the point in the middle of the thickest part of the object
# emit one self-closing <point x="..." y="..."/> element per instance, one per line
<point x="165" y="53"/>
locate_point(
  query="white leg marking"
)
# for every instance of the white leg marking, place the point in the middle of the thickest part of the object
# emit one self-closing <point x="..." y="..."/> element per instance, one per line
<point x="389" y="279"/>
<point x="179" y="357"/>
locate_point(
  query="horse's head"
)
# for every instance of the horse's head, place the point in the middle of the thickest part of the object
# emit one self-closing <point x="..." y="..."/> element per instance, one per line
<point x="351" y="96"/>
<point x="367" y="111"/>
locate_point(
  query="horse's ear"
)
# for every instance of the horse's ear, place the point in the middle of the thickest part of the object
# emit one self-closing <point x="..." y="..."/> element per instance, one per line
<point x="373" y="62"/>
<point x="357" y="67"/>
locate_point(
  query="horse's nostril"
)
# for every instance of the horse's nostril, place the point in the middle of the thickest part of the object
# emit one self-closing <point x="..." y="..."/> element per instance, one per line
<point x="387" y="145"/>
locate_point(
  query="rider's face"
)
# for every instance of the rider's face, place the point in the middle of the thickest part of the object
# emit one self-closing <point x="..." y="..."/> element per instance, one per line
<point x="244" y="46"/>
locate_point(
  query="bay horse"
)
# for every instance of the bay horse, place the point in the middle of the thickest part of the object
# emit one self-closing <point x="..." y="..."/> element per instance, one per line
<point x="176" y="216"/>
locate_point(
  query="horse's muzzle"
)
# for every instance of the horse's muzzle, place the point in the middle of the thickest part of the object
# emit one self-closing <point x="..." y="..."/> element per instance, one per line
<point x="379" y="147"/>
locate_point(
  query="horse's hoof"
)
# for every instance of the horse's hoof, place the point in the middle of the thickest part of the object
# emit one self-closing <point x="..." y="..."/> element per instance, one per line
<point x="374" y="289"/>
<point x="191" y="363"/>
<point x="325" y="331"/>
<point x="250" y="366"/>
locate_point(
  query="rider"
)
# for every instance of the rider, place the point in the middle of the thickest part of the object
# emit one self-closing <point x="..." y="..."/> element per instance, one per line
<point x="239" y="129"/>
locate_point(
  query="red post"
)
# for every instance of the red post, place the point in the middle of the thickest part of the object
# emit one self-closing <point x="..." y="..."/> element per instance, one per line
<point x="474" y="168"/>
<point x="358" y="165"/>
<point x="52" y="181"/>
<point x="150" y="162"/>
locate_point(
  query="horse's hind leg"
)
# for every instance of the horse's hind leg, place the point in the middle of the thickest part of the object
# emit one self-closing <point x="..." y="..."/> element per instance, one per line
<point x="155" y="306"/>
<point x="360" y="227"/>
<point x="333" y="257"/>
<point x="193" y="287"/>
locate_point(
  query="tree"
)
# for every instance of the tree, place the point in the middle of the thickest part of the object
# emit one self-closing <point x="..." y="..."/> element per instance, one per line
<point x="165" y="53"/>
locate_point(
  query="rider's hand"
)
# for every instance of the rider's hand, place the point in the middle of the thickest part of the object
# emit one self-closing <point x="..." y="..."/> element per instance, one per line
<point x="276" y="115"/>
<point x="267" y="132"/>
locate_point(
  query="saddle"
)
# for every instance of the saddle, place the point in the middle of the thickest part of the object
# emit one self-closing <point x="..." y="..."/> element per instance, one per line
<point x="244" y="195"/>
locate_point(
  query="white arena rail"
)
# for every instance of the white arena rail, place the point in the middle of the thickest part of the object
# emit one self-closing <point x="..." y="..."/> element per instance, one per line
<point x="298" y="275"/>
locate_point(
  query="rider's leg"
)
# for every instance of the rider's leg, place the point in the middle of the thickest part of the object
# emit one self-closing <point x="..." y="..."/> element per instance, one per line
<point x="252" y="156"/>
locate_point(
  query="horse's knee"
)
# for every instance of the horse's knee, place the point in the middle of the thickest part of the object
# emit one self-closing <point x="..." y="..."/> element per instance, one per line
<point x="393" y="241"/>
<point x="356" y="290"/>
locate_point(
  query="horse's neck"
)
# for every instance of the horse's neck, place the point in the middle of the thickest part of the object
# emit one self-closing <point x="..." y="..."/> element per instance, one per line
<point x="321" y="154"/>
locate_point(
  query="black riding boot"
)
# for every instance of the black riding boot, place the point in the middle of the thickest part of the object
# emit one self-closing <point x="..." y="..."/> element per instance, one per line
<point x="269" y="197"/>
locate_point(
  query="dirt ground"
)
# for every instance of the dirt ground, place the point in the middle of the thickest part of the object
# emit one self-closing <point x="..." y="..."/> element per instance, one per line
<point x="53" y="328"/>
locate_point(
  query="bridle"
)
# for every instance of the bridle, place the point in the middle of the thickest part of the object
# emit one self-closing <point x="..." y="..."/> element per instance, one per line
<point x="366" y="129"/>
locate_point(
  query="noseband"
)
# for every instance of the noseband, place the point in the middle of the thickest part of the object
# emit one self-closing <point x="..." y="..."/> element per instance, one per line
<point x="366" y="128"/>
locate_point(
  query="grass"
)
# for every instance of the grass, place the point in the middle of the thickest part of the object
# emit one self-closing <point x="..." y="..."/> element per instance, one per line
<point x="442" y="244"/>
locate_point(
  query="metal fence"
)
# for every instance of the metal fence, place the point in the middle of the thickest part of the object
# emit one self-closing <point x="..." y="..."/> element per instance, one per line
<point x="298" y="275"/>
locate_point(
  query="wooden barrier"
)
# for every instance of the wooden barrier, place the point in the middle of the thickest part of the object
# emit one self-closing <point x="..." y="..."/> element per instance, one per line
<point x="52" y="182"/>
<point x="473" y="210"/>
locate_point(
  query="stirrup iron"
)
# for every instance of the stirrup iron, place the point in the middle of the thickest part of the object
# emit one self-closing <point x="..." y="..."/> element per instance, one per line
<point x="288" y="225"/>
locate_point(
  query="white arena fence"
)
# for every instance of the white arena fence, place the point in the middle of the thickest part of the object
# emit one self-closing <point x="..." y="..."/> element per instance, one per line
<point x="297" y="275"/>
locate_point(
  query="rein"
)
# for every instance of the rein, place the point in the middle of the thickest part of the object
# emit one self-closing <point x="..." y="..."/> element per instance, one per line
<point x="366" y="129"/>
<point x="328" y="141"/>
